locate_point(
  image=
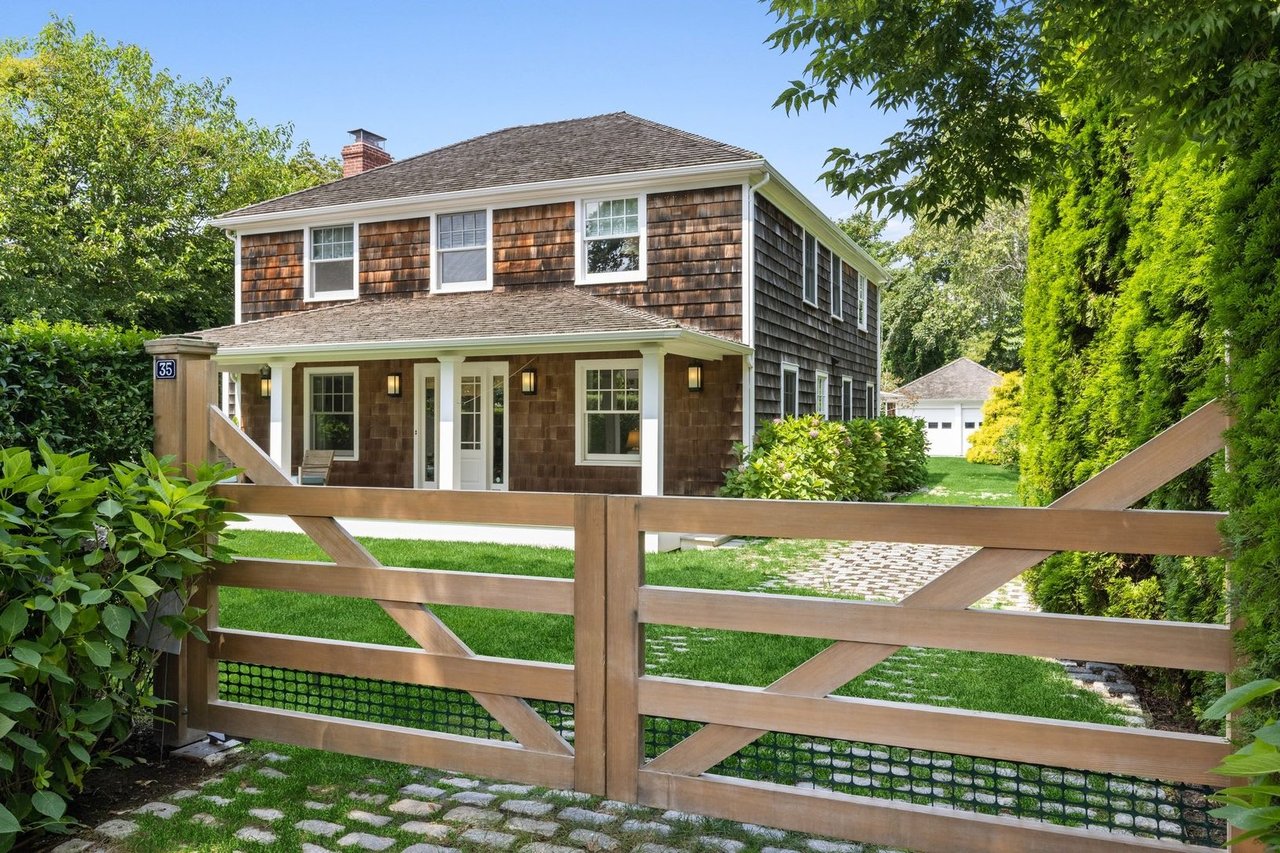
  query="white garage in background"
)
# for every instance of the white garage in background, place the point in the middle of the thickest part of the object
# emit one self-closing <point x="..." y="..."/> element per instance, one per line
<point x="949" y="401"/>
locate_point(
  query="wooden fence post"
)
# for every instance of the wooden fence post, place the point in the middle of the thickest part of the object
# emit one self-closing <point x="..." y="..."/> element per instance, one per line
<point x="624" y="649"/>
<point x="589" y="660"/>
<point x="183" y="387"/>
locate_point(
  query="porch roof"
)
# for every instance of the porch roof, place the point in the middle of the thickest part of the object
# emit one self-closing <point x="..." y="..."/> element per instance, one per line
<point x="560" y="319"/>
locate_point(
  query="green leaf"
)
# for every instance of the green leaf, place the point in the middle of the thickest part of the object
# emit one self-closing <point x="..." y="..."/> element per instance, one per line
<point x="96" y="713"/>
<point x="94" y="597"/>
<point x="1249" y="765"/>
<point x="1238" y="697"/>
<point x="14" y="619"/>
<point x="79" y="752"/>
<point x="61" y="616"/>
<point x="142" y="524"/>
<point x="98" y="652"/>
<point x="110" y="508"/>
<point x="118" y="620"/>
<point x="15" y="702"/>
<point x="8" y="823"/>
<point x="26" y="654"/>
<point x="6" y="725"/>
<point x="144" y="585"/>
<point x="49" y="804"/>
<point x="1269" y="733"/>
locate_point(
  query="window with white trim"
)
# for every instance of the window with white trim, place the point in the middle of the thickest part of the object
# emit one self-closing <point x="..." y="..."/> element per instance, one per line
<point x="810" y="292"/>
<point x="612" y="239"/>
<point x="331" y="262"/>
<point x="871" y="403"/>
<point x="862" y="302"/>
<point x="820" y="400"/>
<point x="790" y="389"/>
<point x="837" y="287"/>
<point x="846" y="398"/>
<point x="462" y="251"/>
<point x="332" y="416"/>
<point x="608" y="407"/>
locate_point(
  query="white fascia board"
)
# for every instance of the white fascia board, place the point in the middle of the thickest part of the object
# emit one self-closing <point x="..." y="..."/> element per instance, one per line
<point x="672" y="178"/>
<point x="675" y="340"/>
<point x="797" y="205"/>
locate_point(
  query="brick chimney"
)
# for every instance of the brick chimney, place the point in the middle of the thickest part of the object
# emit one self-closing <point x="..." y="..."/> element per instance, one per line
<point x="364" y="153"/>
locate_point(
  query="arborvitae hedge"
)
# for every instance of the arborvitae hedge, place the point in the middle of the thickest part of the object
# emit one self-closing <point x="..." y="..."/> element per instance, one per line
<point x="83" y="389"/>
<point x="1119" y="347"/>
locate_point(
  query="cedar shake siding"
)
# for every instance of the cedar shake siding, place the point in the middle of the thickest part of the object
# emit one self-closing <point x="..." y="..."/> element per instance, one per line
<point x="533" y="246"/>
<point x="270" y="274"/>
<point x="700" y="427"/>
<point x="395" y="256"/>
<point x="788" y="329"/>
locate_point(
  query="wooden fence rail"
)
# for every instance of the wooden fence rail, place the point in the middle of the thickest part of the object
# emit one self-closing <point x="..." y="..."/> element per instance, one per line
<point x="611" y="604"/>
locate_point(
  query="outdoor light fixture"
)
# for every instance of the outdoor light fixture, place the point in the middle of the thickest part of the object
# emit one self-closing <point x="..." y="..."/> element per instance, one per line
<point x="393" y="384"/>
<point x="695" y="376"/>
<point x="528" y="381"/>
<point x="264" y="381"/>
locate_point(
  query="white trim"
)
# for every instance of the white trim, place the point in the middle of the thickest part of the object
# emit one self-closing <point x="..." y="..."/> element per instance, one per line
<point x="748" y="400"/>
<point x="487" y="371"/>
<point x="862" y="302"/>
<point x="280" y="409"/>
<point x="354" y="293"/>
<point x="822" y="393"/>
<point x="879" y="353"/>
<point x="837" y="286"/>
<point x="354" y="371"/>
<point x="422" y="370"/>
<point x="239" y="271"/>
<point x="448" y="472"/>
<point x="580" y="368"/>
<point x="804" y="268"/>
<point x="788" y="367"/>
<point x="466" y="286"/>
<point x="846" y="398"/>
<point x="580" y="274"/>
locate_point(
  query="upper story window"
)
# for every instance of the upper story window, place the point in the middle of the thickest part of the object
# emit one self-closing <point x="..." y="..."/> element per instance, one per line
<point x="862" y="302"/>
<point x="837" y="287"/>
<point x="810" y="269"/>
<point x="612" y="243"/>
<point x="462" y="251"/>
<point x="331" y="265"/>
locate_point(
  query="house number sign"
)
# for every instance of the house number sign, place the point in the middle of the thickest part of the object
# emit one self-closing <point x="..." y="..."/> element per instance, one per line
<point x="166" y="368"/>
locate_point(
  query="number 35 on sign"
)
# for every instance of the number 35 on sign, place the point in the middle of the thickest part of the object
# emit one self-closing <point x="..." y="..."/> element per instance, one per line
<point x="166" y="368"/>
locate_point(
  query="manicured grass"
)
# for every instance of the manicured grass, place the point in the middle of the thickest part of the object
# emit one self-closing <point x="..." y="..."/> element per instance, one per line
<point x="981" y="682"/>
<point x="952" y="480"/>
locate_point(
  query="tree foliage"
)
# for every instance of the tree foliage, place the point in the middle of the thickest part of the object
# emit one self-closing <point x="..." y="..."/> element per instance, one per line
<point x="983" y="83"/>
<point x="109" y="172"/>
<point x="997" y="440"/>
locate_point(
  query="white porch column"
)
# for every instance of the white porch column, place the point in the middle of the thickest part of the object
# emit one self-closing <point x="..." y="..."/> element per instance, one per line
<point x="651" y="433"/>
<point x="748" y="399"/>
<point x="281" y="442"/>
<point x="448" y="472"/>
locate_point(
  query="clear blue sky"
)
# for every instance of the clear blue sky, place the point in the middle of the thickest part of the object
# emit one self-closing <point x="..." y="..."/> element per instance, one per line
<point x="424" y="74"/>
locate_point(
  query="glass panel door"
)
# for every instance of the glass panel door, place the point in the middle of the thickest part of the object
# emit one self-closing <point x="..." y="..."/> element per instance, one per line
<point x="497" y="448"/>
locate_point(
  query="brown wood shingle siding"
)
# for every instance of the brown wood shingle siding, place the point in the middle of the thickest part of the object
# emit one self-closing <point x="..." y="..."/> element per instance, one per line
<point x="788" y="329"/>
<point x="270" y="274"/>
<point x="395" y="256"/>
<point x="533" y="246"/>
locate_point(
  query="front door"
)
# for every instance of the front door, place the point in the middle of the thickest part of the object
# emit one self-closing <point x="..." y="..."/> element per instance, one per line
<point x="481" y="427"/>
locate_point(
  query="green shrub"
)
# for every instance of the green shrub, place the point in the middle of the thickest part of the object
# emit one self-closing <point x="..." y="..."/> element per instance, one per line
<point x="811" y="458"/>
<point x="906" y="453"/>
<point x="83" y="557"/>
<point x="83" y="389"/>
<point x="1254" y="807"/>
<point x="996" y="441"/>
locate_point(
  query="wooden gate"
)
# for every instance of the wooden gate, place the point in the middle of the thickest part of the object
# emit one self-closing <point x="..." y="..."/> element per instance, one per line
<point x="611" y="604"/>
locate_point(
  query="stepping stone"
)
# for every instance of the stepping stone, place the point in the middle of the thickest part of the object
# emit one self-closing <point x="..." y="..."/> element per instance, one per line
<point x="317" y="806"/>
<point x="728" y="845"/>
<point x="319" y="827"/>
<point x="117" y="829"/>
<point x="371" y="799"/>
<point x="75" y="845"/>
<point x="314" y="848"/>
<point x="472" y="815"/>
<point x="275" y="758"/>
<point x="764" y="832"/>
<point x="646" y="826"/>
<point x="817" y="845"/>
<point x="531" y="808"/>
<point x="543" y="847"/>
<point x="489" y="838"/>
<point x="365" y="841"/>
<point x="576" y="796"/>
<point x="249" y="789"/>
<point x="164" y="811"/>
<point x="185" y="793"/>
<point x="272" y="773"/>
<point x="438" y="831"/>
<point x="429" y="848"/>
<point x="593" y="840"/>
<point x="256" y="835"/>
<point x="459" y="782"/>
<point x="267" y="814"/>
<point x="425" y="792"/>
<point x="545" y="828"/>
<point x="369" y="818"/>
<point x="321" y="790"/>
<point x="777" y="850"/>
<point x="473" y="798"/>
<point x="417" y="808"/>
<point x="656" y="848"/>
<point x="205" y="819"/>
<point x="577" y="815"/>
<point x="682" y="817"/>
<point x="518" y="790"/>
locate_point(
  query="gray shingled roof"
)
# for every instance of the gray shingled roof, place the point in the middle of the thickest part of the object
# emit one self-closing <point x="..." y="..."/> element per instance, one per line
<point x="962" y="379"/>
<point x="427" y="317"/>
<point x="609" y="144"/>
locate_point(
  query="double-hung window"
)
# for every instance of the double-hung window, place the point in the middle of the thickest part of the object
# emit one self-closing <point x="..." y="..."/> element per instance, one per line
<point x="820" y="402"/>
<point x="837" y="287"/>
<point x="462" y="251"/>
<point x="331" y="262"/>
<point x="790" y="390"/>
<point x="608" y="412"/>
<point x="871" y="402"/>
<point x="332" y="419"/>
<point x="612" y="245"/>
<point x="810" y="269"/>
<point x="862" y="302"/>
<point x="846" y="398"/>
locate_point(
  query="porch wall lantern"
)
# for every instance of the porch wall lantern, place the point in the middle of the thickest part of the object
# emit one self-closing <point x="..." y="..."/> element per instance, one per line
<point x="528" y="382"/>
<point x="264" y="382"/>
<point x="393" y="384"/>
<point x="695" y="376"/>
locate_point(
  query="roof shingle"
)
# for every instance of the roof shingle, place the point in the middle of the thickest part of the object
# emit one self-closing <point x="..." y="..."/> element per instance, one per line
<point x="962" y="379"/>
<point x="610" y="144"/>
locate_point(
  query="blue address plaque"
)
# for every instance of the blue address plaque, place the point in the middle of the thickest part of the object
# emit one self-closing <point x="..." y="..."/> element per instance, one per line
<point x="166" y="368"/>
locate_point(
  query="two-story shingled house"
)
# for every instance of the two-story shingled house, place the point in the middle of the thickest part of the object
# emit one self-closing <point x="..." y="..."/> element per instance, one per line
<point x="605" y="304"/>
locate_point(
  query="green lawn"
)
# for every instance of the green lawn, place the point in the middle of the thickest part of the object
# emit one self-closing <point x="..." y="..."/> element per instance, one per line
<point x="952" y="480"/>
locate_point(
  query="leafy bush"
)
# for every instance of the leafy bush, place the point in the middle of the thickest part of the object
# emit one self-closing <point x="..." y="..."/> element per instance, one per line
<point x="1253" y="808"/>
<point x="996" y="441"/>
<point x="811" y="458"/>
<point x="83" y="389"/>
<point x="83" y="557"/>
<point x="906" y="453"/>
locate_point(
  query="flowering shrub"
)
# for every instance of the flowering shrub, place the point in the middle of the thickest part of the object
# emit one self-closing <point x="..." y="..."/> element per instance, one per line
<point x="809" y="458"/>
<point x="906" y="453"/>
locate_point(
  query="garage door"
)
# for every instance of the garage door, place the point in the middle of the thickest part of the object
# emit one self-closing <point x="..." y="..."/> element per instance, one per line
<point x="942" y="430"/>
<point x="971" y="419"/>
